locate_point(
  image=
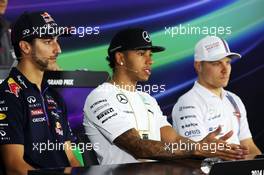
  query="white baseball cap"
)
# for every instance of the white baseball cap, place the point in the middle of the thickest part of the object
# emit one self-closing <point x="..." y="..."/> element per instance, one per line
<point x="212" y="48"/>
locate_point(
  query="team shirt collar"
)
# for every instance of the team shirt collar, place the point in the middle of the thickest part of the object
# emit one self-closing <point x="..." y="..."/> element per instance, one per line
<point x="207" y="94"/>
<point x="17" y="77"/>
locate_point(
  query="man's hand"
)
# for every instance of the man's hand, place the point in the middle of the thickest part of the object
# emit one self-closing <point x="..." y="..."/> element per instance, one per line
<point x="12" y="157"/>
<point x="220" y="147"/>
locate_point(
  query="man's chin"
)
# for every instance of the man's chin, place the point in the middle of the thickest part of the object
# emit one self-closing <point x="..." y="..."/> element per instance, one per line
<point x="53" y="67"/>
<point x="144" y="79"/>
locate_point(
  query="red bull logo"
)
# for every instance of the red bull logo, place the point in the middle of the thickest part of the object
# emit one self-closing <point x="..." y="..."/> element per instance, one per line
<point x="14" y="88"/>
<point x="47" y="17"/>
<point x="58" y="128"/>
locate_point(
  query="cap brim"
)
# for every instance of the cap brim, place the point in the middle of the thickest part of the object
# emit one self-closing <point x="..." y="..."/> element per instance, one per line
<point x="231" y="55"/>
<point x="152" y="48"/>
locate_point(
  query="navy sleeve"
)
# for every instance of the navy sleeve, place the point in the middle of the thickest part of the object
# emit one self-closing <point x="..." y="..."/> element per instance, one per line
<point x="11" y="119"/>
<point x="68" y="136"/>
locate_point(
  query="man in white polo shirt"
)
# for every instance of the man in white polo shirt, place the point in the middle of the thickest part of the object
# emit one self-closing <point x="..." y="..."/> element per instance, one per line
<point x="207" y="105"/>
<point x="127" y="124"/>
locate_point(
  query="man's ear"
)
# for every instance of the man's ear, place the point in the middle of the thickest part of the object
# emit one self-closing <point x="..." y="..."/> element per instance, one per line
<point x="25" y="47"/>
<point x="120" y="58"/>
<point x="198" y="66"/>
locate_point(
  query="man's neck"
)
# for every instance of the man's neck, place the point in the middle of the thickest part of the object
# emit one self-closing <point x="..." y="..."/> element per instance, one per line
<point x="215" y="90"/>
<point x="33" y="74"/>
<point x="123" y="82"/>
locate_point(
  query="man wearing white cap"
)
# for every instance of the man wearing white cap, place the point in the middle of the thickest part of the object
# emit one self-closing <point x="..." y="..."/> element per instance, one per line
<point x="207" y="105"/>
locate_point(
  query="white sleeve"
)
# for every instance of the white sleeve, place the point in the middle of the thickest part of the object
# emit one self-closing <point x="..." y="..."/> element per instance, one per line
<point x="187" y="119"/>
<point x="101" y="109"/>
<point x="244" y="131"/>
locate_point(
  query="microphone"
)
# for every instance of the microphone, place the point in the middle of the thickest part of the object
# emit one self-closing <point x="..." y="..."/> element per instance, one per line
<point x="132" y="70"/>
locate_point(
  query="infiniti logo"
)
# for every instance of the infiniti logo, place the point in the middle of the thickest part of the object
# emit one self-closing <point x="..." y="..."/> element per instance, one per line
<point x="2" y="133"/>
<point x="31" y="99"/>
<point x="26" y="31"/>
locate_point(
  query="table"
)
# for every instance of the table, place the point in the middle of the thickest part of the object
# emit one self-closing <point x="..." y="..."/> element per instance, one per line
<point x="179" y="167"/>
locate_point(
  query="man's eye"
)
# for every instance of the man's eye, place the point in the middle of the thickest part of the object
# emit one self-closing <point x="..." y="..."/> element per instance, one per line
<point x="47" y="42"/>
<point x="141" y="53"/>
<point x="215" y="63"/>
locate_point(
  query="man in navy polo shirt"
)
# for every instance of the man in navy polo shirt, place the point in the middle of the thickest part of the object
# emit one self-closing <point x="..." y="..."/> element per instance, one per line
<point x="34" y="131"/>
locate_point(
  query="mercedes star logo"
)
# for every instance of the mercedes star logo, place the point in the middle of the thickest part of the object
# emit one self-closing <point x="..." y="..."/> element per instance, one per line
<point x="146" y="36"/>
<point x="122" y="98"/>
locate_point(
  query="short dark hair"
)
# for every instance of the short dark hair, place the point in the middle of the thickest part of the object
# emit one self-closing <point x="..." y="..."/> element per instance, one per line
<point x="111" y="59"/>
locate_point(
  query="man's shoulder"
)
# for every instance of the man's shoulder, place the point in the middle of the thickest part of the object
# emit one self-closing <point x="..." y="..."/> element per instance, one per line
<point x="10" y="89"/>
<point x="233" y="95"/>
<point x="4" y="85"/>
<point x="188" y="97"/>
<point x="103" y="92"/>
<point x="188" y="100"/>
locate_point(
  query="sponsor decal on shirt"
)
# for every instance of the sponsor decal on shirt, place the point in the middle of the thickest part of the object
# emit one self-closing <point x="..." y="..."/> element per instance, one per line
<point x="35" y="105"/>
<point x="14" y="88"/>
<point x="36" y="112"/>
<point x="214" y="117"/>
<point x="39" y="119"/>
<point x="98" y="102"/>
<point x="104" y="113"/>
<point x="31" y="99"/>
<point x="151" y="111"/>
<point x="2" y="133"/>
<point x="122" y="98"/>
<point x="192" y="133"/>
<point x="189" y="125"/>
<point x="51" y="107"/>
<point x="181" y="108"/>
<point x="21" y="81"/>
<point x="50" y="101"/>
<point x="237" y="114"/>
<point x="187" y="116"/>
<point x="58" y="128"/>
<point x="2" y="116"/>
<point x="3" y="109"/>
<point x="55" y="114"/>
<point x="109" y="117"/>
<point x="3" y="124"/>
<point x="129" y="112"/>
<point x="100" y="107"/>
<point x="2" y="102"/>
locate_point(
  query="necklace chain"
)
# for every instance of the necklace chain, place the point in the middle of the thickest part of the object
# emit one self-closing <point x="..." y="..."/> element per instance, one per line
<point x="134" y="113"/>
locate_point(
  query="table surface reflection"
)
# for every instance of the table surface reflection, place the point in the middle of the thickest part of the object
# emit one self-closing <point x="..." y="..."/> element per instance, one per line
<point x="172" y="167"/>
<point x="179" y="167"/>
